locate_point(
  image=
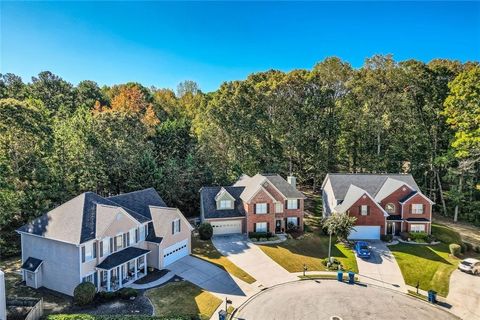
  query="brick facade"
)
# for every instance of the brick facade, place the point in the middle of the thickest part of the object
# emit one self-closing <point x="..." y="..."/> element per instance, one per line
<point x="417" y="199"/>
<point x="395" y="197"/>
<point x="375" y="215"/>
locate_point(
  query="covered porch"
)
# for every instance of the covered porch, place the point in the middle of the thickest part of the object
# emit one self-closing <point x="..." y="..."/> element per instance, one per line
<point x="121" y="269"/>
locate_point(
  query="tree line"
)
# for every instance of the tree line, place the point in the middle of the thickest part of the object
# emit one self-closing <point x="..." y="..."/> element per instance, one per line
<point x="58" y="140"/>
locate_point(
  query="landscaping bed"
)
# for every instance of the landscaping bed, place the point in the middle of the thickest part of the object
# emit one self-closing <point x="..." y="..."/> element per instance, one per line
<point x="152" y="276"/>
<point x="183" y="299"/>
<point x="204" y="249"/>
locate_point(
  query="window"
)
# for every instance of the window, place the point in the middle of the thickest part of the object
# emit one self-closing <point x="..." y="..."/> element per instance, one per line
<point x="89" y="252"/>
<point x="364" y="210"/>
<point x="390" y="208"/>
<point x="417" y="208"/>
<point x="118" y="242"/>
<point x="293" y="220"/>
<point x="225" y="204"/>
<point x="278" y="207"/>
<point x="292" y="204"/>
<point x="175" y="226"/>
<point x="140" y="262"/>
<point x="89" y="278"/>
<point x="104" y="247"/>
<point x="261" y="227"/>
<point x="142" y="233"/>
<point x="417" y="228"/>
<point x="261" y="208"/>
<point x="131" y="236"/>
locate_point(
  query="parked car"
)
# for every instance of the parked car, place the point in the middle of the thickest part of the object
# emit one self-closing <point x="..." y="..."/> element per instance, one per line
<point x="470" y="265"/>
<point x="362" y="249"/>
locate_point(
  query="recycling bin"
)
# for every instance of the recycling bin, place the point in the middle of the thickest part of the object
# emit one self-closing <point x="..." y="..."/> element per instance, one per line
<point x="432" y="296"/>
<point x="340" y="276"/>
<point x="351" y="277"/>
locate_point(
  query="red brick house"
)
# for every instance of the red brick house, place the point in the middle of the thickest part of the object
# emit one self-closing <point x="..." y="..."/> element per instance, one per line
<point x="262" y="203"/>
<point x="382" y="203"/>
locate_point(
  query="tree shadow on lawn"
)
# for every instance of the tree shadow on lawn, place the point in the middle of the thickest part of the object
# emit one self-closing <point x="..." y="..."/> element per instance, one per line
<point x="425" y="252"/>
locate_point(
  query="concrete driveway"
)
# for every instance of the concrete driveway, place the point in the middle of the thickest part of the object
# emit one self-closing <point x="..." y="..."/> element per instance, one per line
<point x="464" y="295"/>
<point x="250" y="258"/>
<point x="381" y="269"/>
<point x="210" y="277"/>
<point x="327" y="298"/>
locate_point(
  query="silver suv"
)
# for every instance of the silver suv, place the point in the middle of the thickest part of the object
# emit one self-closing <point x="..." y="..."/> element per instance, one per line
<point x="470" y="265"/>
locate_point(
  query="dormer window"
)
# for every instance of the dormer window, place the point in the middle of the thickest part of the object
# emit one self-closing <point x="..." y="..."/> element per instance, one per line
<point x="225" y="204"/>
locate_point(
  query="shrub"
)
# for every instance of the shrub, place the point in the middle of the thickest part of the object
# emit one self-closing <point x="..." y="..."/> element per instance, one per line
<point x="431" y="238"/>
<point x="306" y="228"/>
<point x="335" y="264"/>
<point x="386" y="237"/>
<point x="263" y="239"/>
<point x="254" y="239"/>
<point x="205" y="231"/>
<point x="463" y="247"/>
<point x="84" y="293"/>
<point x="127" y="293"/>
<point x="258" y="235"/>
<point x="404" y="235"/>
<point x="468" y="246"/>
<point x="454" y="249"/>
<point x="476" y="249"/>
<point x="419" y="236"/>
<point x="107" y="296"/>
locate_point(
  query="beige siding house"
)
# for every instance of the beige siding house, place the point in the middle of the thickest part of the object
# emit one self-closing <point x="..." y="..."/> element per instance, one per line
<point x="107" y="241"/>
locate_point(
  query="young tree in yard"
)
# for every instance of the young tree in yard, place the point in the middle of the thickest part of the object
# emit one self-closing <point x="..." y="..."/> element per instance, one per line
<point x="340" y="225"/>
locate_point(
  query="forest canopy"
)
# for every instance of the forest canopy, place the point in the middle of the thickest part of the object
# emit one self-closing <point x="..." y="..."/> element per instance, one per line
<point x="58" y="140"/>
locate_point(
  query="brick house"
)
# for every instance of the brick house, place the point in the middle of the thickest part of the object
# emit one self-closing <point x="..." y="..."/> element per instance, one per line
<point x="262" y="203"/>
<point x="382" y="203"/>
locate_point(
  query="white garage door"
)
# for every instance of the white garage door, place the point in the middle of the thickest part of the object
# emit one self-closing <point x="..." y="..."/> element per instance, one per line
<point x="227" y="226"/>
<point x="175" y="252"/>
<point x="365" y="232"/>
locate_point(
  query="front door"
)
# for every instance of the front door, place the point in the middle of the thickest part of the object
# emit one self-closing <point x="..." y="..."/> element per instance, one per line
<point x="390" y="228"/>
<point x="278" y="226"/>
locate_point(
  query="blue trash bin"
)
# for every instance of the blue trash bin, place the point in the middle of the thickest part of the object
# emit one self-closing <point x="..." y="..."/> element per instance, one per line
<point x="432" y="296"/>
<point x="351" y="277"/>
<point x="222" y="315"/>
<point x="340" y="276"/>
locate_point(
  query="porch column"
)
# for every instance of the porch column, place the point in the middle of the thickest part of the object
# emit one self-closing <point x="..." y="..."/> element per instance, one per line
<point x="393" y="229"/>
<point x="135" y="263"/>
<point x="145" y="264"/>
<point x="120" y="278"/>
<point x="108" y="280"/>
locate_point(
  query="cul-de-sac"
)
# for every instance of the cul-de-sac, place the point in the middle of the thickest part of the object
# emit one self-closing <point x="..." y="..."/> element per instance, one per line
<point x="239" y="160"/>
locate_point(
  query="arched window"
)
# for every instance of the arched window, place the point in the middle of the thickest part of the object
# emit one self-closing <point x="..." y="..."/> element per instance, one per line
<point x="390" y="208"/>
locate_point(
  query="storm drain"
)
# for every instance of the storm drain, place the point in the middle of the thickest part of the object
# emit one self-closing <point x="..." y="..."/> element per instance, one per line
<point x="335" y="318"/>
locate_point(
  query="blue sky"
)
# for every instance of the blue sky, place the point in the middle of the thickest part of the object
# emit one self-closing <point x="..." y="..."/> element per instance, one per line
<point x="162" y="43"/>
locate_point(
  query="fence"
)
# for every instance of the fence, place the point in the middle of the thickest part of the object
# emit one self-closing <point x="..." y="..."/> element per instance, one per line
<point x="33" y="307"/>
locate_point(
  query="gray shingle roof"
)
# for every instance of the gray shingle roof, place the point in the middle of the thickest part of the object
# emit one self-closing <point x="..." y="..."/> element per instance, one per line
<point x="210" y="206"/>
<point x="372" y="183"/>
<point x="31" y="264"/>
<point x="139" y="201"/>
<point x="283" y="186"/>
<point x="120" y="257"/>
<point x="75" y="221"/>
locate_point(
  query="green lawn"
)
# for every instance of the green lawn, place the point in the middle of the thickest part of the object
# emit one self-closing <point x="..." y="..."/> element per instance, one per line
<point x="310" y="249"/>
<point x="206" y="250"/>
<point x="431" y="266"/>
<point x="183" y="299"/>
<point x="445" y="234"/>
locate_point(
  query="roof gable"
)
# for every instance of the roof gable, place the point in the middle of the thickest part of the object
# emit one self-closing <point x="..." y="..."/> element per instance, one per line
<point x="223" y="194"/>
<point x="372" y="183"/>
<point x="207" y="196"/>
<point x="353" y="194"/>
<point x="139" y="201"/>
<point x="389" y="186"/>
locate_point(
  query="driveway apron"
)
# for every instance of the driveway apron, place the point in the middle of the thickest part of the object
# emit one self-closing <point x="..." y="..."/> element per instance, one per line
<point x="464" y="295"/>
<point x="381" y="269"/>
<point x="251" y="258"/>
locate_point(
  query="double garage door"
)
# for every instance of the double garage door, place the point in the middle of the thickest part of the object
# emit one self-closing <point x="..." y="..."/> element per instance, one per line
<point x="227" y="226"/>
<point x="175" y="252"/>
<point x="365" y="233"/>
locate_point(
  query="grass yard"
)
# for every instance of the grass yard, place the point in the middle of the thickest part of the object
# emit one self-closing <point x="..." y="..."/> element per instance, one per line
<point x="206" y="250"/>
<point x="183" y="299"/>
<point x="53" y="302"/>
<point x="310" y="249"/>
<point x="430" y="265"/>
<point x="445" y="234"/>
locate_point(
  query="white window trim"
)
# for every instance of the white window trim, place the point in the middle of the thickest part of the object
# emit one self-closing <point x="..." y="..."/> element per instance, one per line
<point x="106" y="247"/>
<point x="417" y="226"/>
<point x="390" y="204"/>
<point x="256" y="226"/>
<point x="115" y="246"/>
<point x="89" y="257"/>
<point x="142" y="235"/>
<point x="415" y="208"/>
<point x="292" y="204"/>
<point x="364" y="210"/>
<point x="131" y="236"/>
<point x="261" y="205"/>
<point x="225" y="204"/>
<point x="176" y="226"/>
<point x="278" y="207"/>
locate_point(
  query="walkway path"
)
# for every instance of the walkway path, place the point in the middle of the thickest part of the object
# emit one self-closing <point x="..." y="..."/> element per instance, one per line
<point x="250" y="258"/>
<point x="381" y="269"/>
<point x="167" y="277"/>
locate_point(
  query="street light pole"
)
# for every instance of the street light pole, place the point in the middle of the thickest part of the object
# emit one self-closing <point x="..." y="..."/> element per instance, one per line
<point x="330" y="248"/>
